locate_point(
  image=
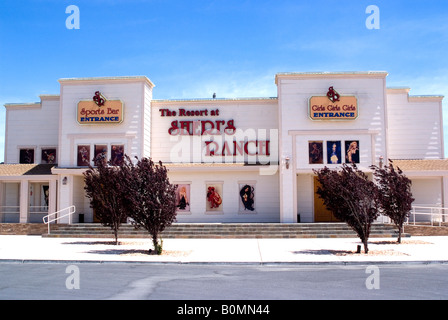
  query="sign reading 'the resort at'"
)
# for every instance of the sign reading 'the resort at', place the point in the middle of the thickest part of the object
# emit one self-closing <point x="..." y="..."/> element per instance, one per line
<point x="333" y="107"/>
<point x="99" y="110"/>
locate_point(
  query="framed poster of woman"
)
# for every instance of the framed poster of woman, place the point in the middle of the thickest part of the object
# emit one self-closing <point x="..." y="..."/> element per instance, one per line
<point x="352" y="151"/>
<point x="247" y="198"/>
<point x="316" y="152"/>
<point x="213" y="196"/>
<point x="333" y="152"/>
<point x="183" y="198"/>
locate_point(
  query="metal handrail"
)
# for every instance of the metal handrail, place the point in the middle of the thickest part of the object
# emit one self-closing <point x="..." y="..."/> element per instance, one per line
<point x="71" y="210"/>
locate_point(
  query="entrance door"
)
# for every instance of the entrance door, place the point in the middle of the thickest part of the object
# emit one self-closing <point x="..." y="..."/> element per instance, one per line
<point x="321" y="213"/>
<point x="95" y="218"/>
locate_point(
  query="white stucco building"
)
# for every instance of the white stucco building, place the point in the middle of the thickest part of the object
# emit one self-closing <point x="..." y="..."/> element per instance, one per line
<point x="262" y="149"/>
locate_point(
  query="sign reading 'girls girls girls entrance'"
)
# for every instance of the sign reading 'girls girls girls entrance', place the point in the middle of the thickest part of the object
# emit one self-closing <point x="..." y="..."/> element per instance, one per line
<point x="333" y="107"/>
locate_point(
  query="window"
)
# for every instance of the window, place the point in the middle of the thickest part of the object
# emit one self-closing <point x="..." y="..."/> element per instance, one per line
<point x="100" y="152"/>
<point x="49" y="156"/>
<point x="83" y="156"/>
<point x="117" y="154"/>
<point x="26" y="156"/>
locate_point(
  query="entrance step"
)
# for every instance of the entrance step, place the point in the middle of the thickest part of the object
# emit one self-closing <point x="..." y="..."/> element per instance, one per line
<point x="225" y="230"/>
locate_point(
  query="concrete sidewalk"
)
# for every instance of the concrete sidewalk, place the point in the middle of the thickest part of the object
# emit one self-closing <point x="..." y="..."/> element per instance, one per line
<point x="28" y="249"/>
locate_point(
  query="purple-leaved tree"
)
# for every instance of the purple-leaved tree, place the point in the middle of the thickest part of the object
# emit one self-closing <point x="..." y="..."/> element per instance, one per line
<point x="104" y="187"/>
<point x="149" y="197"/>
<point x="351" y="197"/>
<point x="394" y="194"/>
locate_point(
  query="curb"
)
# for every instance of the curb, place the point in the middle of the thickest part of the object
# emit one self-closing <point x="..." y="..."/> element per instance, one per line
<point x="273" y="263"/>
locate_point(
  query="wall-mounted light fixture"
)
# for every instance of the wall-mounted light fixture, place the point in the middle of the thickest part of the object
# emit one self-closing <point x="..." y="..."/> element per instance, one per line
<point x="287" y="162"/>
<point x="64" y="181"/>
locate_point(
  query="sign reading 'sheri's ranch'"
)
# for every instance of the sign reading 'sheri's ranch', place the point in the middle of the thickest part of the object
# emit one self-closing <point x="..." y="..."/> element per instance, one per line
<point x="333" y="107"/>
<point x="99" y="110"/>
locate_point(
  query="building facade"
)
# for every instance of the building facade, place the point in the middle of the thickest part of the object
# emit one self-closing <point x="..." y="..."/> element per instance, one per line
<point x="234" y="160"/>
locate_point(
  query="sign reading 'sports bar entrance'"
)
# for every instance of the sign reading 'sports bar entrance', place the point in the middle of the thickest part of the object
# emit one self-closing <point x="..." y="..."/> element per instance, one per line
<point x="322" y="108"/>
<point x="100" y="110"/>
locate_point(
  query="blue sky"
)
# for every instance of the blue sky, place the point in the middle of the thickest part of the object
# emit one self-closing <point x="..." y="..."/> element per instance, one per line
<point x="191" y="49"/>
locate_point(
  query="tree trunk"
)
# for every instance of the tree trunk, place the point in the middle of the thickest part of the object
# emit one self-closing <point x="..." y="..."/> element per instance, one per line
<point x="366" y="249"/>
<point x="156" y="245"/>
<point x="116" y="236"/>
<point x="154" y="242"/>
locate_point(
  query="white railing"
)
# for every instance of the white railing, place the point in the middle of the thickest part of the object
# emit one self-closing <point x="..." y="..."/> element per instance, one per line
<point x="54" y="216"/>
<point x="435" y="214"/>
<point x="16" y="209"/>
<point x="10" y="209"/>
<point x="38" y="209"/>
<point x="10" y="214"/>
